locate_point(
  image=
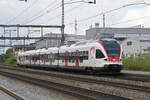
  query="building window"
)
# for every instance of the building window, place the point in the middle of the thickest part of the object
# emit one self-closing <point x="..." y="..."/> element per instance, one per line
<point x="99" y="54"/>
<point x="129" y="43"/>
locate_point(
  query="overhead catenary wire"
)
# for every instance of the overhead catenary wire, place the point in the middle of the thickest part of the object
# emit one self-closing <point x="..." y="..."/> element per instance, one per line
<point x="109" y="11"/>
<point x="130" y="20"/>
<point x="22" y="12"/>
<point x="67" y="12"/>
<point x="42" y="11"/>
<point x="48" y="11"/>
<point x="43" y="14"/>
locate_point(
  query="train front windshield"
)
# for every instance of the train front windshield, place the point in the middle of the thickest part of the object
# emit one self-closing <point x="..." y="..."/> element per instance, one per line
<point x="112" y="48"/>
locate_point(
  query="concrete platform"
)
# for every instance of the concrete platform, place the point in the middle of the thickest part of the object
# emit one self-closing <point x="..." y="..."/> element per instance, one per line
<point x="136" y="72"/>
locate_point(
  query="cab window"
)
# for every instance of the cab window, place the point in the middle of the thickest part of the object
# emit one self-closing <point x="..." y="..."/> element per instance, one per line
<point x="99" y="54"/>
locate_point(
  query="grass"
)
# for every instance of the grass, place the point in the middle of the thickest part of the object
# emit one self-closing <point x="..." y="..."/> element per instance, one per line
<point x="141" y="63"/>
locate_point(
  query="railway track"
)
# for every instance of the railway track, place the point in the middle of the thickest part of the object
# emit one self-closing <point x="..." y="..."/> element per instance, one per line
<point x="133" y="77"/>
<point x="143" y="89"/>
<point x="11" y="94"/>
<point x="75" y="91"/>
<point x="83" y="79"/>
<point x="125" y="76"/>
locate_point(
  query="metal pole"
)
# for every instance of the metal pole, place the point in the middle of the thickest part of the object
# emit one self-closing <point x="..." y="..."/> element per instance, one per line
<point x="103" y="20"/>
<point x="17" y="31"/>
<point x="10" y="37"/>
<point x="4" y="39"/>
<point x="42" y="32"/>
<point x="76" y="29"/>
<point x="63" y="25"/>
<point x="24" y="44"/>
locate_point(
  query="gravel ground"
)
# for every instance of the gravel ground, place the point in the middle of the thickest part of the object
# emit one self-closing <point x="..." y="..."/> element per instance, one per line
<point x="31" y="92"/>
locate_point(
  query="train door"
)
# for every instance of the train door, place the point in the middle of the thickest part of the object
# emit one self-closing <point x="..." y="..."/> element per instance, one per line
<point x="39" y="59"/>
<point x="92" y="56"/>
<point x="30" y="59"/>
<point x="50" y="58"/>
<point x="45" y="59"/>
<point x="66" y="58"/>
<point x="99" y="57"/>
<point x="77" y="58"/>
<point x="34" y="59"/>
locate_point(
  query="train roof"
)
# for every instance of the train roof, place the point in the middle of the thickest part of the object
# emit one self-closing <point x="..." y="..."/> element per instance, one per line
<point x="42" y="51"/>
<point x="64" y="47"/>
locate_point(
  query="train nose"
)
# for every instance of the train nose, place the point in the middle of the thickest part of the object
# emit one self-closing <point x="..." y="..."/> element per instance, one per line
<point x="114" y="59"/>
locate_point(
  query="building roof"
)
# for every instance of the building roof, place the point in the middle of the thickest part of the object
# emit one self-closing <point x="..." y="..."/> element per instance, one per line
<point x="122" y="30"/>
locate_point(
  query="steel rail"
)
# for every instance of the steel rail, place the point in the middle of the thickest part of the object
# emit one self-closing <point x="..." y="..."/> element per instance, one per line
<point x="133" y="77"/>
<point x="11" y="93"/>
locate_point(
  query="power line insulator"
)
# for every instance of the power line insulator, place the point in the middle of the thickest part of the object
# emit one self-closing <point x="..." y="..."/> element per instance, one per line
<point x="94" y="1"/>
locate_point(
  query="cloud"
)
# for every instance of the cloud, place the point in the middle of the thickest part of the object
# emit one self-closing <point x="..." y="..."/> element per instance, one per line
<point x="135" y="16"/>
<point x="11" y="8"/>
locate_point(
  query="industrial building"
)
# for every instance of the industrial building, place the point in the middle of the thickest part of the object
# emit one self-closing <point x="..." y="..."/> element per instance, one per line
<point x="69" y="39"/>
<point x="17" y="48"/>
<point x="131" y="47"/>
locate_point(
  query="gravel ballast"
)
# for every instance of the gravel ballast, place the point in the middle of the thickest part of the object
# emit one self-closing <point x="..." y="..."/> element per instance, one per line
<point x="137" y="95"/>
<point x="31" y="92"/>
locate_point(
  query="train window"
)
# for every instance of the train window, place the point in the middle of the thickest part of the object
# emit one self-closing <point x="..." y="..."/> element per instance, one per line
<point x="80" y="53"/>
<point x="42" y="58"/>
<point x="85" y="55"/>
<point x="69" y="57"/>
<point x="63" y="57"/>
<point x="60" y="56"/>
<point x="73" y="57"/>
<point x="81" y="59"/>
<point x="57" y="56"/>
<point x="99" y="54"/>
<point x="53" y="57"/>
<point x="47" y="58"/>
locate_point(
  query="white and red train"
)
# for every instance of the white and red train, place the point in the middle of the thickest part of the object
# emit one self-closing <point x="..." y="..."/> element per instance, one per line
<point x="94" y="56"/>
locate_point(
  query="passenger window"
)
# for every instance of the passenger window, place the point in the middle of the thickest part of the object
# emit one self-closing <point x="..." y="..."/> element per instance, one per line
<point x="99" y="54"/>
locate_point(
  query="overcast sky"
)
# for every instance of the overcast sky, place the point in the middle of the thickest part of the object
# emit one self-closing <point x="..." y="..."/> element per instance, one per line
<point x="49" y="12"/>
<point x="19" y="12"/>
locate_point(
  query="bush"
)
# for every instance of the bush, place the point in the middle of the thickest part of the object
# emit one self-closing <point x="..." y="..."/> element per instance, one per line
<point x="11" y="61"/>
<point x="8" y="59"/>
